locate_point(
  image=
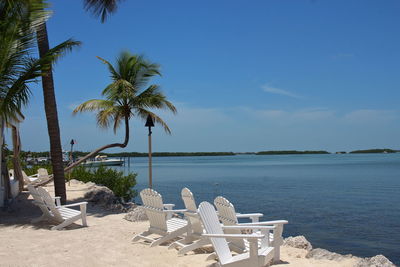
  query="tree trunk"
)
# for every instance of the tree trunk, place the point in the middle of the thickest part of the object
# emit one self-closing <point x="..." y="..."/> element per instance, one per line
<point x="94" y="152"/>
<point x="6" y="176"/>
<point x="16" y="162"/>
<point x="53" y="128"/>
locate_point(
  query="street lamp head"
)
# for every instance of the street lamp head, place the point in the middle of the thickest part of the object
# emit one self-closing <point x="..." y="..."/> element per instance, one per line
<point x="149" y="121"/>
<point x="72" y="142"/>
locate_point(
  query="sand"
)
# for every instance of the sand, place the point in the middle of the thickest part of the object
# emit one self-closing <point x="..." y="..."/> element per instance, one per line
<point x="106" y="242"/>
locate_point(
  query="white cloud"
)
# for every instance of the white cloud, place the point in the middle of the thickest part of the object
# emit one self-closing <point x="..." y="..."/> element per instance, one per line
<point x="278" y="91"/>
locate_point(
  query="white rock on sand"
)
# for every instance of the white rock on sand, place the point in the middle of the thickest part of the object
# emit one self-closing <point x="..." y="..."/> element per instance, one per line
<point x="106" y="242"/>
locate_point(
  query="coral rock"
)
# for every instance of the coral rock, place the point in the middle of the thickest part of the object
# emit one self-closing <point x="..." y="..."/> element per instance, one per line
<point x="323" y="254"/>
<point x="298" y="242"/>
<point x="136" y="215"/>
<point x="376" y="261"/>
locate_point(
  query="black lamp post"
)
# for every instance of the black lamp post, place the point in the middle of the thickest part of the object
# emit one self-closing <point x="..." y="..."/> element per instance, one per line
<point x="150" y="123"/>
<point x="72" y="145"/>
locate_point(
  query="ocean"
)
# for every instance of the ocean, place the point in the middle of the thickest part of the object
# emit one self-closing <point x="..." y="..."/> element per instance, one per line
<point x="347" y="203"/>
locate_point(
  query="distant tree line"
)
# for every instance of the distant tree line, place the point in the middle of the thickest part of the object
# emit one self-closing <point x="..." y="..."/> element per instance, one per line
<point x="78" y="154"/>
<point x="385" y="150"/>
<point x="290" y="152"/>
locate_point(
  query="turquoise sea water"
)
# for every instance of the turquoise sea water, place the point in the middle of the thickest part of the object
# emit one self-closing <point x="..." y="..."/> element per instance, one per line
<point x="344" y="203"/>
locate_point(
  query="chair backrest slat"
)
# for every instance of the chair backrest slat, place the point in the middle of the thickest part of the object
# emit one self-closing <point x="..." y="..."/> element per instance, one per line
<point x="48" y="200"/>
<point x="190" y="205"/>
<point x="38" y="200"/>
<point x="227" y="215"/>
<point x="212" y="226"/>
<point x="42" y="172"/>
<point x="154" y="207"/>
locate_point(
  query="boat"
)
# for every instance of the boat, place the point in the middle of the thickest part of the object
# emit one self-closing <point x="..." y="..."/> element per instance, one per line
<point x="103" y="161"/>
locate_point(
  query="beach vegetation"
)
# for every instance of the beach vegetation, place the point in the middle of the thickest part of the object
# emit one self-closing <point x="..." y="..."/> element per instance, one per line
<point x="99" y="8"/>
<point x="18" y="67"/>
<point x="127" y="96"/>
<point x="122" y="185"/>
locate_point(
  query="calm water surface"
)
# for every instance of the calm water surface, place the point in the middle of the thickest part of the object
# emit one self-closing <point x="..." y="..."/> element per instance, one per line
<point x="344" y="203"/>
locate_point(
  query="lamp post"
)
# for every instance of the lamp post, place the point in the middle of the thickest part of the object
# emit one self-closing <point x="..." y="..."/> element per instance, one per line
<point x="149" y="124"/>
<point x="72" y="143"/>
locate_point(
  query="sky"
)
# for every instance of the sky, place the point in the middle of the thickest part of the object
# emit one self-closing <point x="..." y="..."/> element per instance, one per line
<point x="244" y="76"/>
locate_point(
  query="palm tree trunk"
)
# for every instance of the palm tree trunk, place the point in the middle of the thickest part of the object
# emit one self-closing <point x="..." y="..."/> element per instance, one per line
<point x="16" y="162"/>
<point x="53" y="128"/>
<point x="94" y="152"/>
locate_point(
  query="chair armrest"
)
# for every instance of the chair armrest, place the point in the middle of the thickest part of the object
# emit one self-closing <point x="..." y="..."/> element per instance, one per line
<point x="74" y="204"/>
<point x="248" y="227"/>
<point x="266" y="223"/>
<point x="248" y="215"/>
<point x="235" y="236"/>
<point x="173" y="211"/>
<point x="169" y="206"/>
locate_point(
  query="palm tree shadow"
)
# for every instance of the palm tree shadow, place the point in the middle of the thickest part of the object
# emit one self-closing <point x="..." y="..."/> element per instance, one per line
<point x="21" y="211"/>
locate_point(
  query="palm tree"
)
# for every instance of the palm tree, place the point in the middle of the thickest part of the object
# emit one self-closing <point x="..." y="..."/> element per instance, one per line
<point x="99" y="8"/>
<point x="127" y="96"/>
<point x="17" y="68"/>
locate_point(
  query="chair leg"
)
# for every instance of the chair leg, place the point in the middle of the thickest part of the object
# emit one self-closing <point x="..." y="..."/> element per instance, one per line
<point x="277" y="252"/>
<point x="62" y="225"/>
<point x="197" y="244"/>
<point x="168" y="237"/>
<point x="140" y="236"/>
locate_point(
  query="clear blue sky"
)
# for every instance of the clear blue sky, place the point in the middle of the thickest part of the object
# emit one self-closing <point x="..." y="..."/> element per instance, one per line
<point x="245" y="76"/>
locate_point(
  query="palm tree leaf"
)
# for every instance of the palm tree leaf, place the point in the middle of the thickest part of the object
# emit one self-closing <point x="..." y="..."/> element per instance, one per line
<point x="101" y="8"/>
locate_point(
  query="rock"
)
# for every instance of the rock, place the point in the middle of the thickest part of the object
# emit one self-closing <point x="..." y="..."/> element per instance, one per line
<point x="376" y="261"/>
<point x="298" y="242"/>
<point x="90" y="184"/>
<point x="103" y="196"/>
<point x="74" y="181"/>
<point x="323" y="254"/>
<point x="136" y="215"/>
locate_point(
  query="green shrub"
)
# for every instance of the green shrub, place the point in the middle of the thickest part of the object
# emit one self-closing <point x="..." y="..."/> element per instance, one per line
<point x="33" y="169"/>
<point x="122" y="185"/>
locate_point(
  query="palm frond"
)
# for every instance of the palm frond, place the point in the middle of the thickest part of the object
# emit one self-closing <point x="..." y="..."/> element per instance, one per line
<point x="101" y="8"/>
<point x="93" y="105"/>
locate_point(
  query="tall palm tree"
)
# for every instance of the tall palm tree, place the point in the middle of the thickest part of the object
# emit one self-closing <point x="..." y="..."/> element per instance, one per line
<point x="18" y="19"/>
<point x="100" y="8"/>
<point x="127" y="96"/>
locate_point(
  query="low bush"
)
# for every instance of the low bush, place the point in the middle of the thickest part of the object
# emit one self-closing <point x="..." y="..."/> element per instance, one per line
<point x="122" y="185"/>
<point x="33" y="169"/>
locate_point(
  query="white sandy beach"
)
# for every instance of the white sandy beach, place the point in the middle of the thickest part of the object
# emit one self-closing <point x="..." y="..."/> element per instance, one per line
<point x="106" y="242"/>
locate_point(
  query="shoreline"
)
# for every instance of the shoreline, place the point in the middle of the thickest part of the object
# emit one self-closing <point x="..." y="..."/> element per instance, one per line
<point x="106" y="241"/>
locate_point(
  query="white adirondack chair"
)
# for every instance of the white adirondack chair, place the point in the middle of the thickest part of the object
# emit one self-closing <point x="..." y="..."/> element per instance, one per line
<point x="160" y="218"/>
<point x="228" y="216"/>
<point x="194" y="238"/>
<point x="61" y="214"/>
<point x="38" y="201"/>
<point x="29" y="179"/>
<point x="255" y="257"/>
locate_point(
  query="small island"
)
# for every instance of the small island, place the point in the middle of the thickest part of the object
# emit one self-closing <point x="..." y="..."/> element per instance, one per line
<point x="384" y="150"/>
<point x="291" y="152"/>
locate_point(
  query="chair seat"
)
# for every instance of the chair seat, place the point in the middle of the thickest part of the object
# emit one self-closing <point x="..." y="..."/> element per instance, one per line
<point x="67" y="213"/>
<point x="175" y="224"/>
